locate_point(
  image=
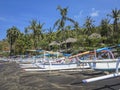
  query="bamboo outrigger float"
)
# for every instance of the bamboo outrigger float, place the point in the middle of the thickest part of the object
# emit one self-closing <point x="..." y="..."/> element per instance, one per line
<point x="116" y="74"/>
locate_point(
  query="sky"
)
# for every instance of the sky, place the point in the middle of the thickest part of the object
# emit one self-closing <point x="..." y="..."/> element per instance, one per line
<point x="19" y="13"/>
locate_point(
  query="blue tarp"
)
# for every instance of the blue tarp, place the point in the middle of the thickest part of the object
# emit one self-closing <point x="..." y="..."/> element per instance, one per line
<point x="101" y="49"/>
<point x="39" y="50"/>
<point x="66" y="55"/>
<point x="107" y="48"/>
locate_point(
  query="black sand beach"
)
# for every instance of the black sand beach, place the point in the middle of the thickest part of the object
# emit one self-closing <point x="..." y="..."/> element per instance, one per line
<point x="12" y="77"/>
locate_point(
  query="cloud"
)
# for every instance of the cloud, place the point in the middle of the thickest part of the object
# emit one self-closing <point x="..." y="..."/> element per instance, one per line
<point x="78" y="15"/>
<point x="94" y="13"/>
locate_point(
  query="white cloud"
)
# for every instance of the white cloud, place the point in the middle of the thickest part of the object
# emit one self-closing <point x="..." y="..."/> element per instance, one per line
<point x="94" y="13"/>
<point x="78" y="15"/>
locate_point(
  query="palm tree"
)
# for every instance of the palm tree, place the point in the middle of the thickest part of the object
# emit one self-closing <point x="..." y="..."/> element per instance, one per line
<point x="12" y="35"/>
<point x="36" y="31"/>
<point x="116" y="16"/>
<point x="61" y="23"/>
<point x="105" y="30"/>
<point x="89" y="26"/>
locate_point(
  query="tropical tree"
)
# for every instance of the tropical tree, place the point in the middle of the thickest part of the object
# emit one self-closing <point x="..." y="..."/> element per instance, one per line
<point x="36" y="29"/>
<point x="77" y="29"/>
<point x="23" y="43"/>
<point x="105" y="30"/>
<point x="89" y="26"/>
<point x="50" y="35"/>
<point x="61" y="23"/>
<point x="115" y="14"/>
<point x="12" y="35"/>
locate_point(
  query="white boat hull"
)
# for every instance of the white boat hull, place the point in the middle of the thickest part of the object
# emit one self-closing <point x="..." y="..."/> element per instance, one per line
<point x="106" y="64"/>
<point x="27" y="65"/>
<point x="57" y="66"/>
<point x="47" y="67"/>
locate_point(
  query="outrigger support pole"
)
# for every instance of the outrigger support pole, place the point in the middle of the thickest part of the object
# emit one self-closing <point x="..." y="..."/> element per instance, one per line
<point x="116" y="74"/>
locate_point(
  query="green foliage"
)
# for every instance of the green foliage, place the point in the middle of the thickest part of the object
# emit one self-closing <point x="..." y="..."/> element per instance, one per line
<point x="44" y="45"/>
<point x="88" y="38"/>
<point x="12" y="35"/>
<point x="23" y="43"/>
<point x="36" y="29"/>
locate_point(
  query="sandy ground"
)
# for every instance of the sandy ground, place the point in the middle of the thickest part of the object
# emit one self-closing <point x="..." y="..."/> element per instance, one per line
<point x="12" y="77"/>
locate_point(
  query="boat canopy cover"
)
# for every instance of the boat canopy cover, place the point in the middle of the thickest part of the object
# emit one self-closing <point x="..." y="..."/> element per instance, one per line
<point x="101" y="49"/>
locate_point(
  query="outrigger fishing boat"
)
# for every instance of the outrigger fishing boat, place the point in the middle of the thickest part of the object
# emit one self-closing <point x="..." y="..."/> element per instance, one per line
<point x="100" y="63"/>
<point x="63" y="63"/>
<point x="60" y="64"/>
<point x="101" y="59"/>
<point x="45" y="67"/>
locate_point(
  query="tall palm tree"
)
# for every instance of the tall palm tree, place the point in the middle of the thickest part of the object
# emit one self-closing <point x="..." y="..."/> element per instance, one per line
<point x="61" y="23"/>
<point x="12" y="35"/>
<point x="115" y="14"/>
<point x="36" y="31"/>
